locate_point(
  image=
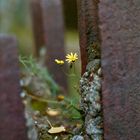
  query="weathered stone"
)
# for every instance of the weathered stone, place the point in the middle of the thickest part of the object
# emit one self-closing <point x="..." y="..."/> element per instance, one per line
<point x="54" y="38"/>
<point x="12" y="122"/>
<point x="90" y="105"/>
<point x="77" y="137"/>
<point x="90" y="83"/>
<point x="120" y="31"/>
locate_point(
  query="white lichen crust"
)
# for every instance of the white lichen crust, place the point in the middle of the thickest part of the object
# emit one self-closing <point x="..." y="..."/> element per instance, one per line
<point x="90" y="90"/>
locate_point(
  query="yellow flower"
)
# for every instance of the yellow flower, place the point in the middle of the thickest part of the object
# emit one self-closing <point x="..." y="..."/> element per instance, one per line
<point x="59" y="62"/>
<point x="71" y="57"/>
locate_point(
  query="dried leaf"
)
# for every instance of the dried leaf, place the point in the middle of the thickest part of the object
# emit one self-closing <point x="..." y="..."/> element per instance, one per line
<point x="52" y="112"/>
<point x="55" y="130"/>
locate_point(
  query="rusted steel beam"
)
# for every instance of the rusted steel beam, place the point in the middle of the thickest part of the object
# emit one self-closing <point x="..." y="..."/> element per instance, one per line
<point x="54" y="38"/>
<point x="88" y="31"/>
<point x="12" y="122"/>
<point x="37" y="23"/>
<point x="120" y="30"/>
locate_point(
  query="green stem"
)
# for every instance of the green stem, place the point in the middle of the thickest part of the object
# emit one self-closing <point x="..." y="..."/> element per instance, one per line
<point x="44" y="100"/>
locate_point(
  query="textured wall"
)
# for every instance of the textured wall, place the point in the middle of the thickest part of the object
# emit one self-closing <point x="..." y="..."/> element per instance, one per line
<point x="120" y="31"/>
<point x="12" y="122"/>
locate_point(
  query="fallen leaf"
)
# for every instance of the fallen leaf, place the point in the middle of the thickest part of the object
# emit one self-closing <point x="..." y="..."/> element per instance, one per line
<point x="52" y="112"/>
<point x="54" y="130"/>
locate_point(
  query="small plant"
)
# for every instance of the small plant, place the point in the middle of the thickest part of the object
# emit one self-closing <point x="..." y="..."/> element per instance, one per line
<point x="63" y="112"/>
<point x="34" y="69"/>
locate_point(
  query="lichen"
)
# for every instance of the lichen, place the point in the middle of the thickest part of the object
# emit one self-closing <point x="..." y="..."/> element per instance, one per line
<point x="90" y="91"/>
<point x="90" y="85"/>
<point x="77" y="137"/>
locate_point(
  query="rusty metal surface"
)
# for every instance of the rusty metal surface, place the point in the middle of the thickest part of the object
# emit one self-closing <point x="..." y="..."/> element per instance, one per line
<point x="37" y="23"/>
<point x="12" y="122"/>
<point x="88" y="31"/>
<point x="54" y="38"/>
<point x="120" y="30"/>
